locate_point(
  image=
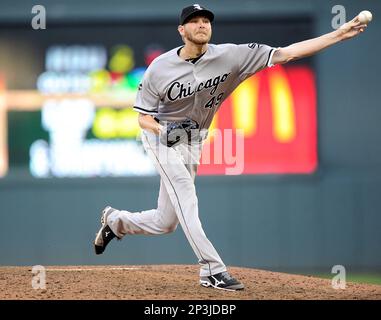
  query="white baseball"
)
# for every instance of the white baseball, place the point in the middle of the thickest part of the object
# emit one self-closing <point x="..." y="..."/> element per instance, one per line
<point x="365" y="17"/>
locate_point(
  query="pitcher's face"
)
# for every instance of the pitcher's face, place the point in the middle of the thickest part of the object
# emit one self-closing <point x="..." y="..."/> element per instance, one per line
<point x="197" y="30"/>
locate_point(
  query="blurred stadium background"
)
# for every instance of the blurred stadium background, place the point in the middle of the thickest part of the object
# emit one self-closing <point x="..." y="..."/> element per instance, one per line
<point x="309" y="196"/>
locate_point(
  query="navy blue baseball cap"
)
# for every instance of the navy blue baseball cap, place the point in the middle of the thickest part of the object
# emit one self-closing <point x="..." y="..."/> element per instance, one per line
<point x="195" y="10"/>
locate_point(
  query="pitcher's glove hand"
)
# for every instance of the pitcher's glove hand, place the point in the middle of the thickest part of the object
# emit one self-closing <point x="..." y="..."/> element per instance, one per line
<point x="176" y="132"/>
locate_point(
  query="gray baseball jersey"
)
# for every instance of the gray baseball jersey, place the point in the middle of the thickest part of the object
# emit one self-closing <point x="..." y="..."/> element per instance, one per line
<point x="174" y="89"/>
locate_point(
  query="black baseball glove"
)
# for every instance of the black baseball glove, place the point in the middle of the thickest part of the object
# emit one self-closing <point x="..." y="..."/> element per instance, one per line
<point x="176" y="132"/>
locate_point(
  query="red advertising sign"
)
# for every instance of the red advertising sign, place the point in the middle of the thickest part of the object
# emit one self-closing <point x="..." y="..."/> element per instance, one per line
<point x="275" y="111"/>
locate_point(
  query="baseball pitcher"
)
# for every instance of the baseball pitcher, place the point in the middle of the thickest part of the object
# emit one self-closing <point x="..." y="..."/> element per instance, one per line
<point x="180" y="93"/>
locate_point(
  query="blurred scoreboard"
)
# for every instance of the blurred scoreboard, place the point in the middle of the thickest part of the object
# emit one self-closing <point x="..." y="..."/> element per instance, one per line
<point x="66" y="95"/>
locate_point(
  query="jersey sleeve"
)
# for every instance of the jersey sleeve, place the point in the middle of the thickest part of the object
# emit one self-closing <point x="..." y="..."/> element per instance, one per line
<point x="147" y="98"/>
<point x="252" y="58"/>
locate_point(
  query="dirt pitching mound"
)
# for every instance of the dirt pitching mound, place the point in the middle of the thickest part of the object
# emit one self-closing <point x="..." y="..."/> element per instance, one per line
<point x="168" y="282"/>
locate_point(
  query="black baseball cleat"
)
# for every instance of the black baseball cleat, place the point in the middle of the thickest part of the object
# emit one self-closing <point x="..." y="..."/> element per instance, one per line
<point x="223" y="281"/>
<point x="105" y="234"/>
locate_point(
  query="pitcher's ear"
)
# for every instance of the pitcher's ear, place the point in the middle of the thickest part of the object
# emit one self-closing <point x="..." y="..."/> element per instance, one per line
<point x="180" y="28"/>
